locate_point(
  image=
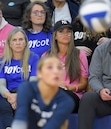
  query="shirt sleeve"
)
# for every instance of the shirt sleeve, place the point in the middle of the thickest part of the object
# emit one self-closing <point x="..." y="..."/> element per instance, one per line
<point x="3" y="85"/>
<point x="2" y="72"/>
<point x="95" y="71"/>
<point x="83" y="64"/>
<point x="62" y="112"/>
<point x="34" y="65"/>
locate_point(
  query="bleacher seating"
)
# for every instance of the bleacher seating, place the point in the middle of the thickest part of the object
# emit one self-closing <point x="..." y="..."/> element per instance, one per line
<point x="99" y="123"/>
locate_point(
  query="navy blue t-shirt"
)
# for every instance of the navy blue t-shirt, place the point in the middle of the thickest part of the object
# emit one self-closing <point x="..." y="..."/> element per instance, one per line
<point x="32" y="111"/>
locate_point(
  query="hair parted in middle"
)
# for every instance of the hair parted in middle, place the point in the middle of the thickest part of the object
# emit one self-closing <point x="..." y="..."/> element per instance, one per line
<point x="7" y="55"/>
<point x="72" y="62"/>
<point x="27" y="24"/>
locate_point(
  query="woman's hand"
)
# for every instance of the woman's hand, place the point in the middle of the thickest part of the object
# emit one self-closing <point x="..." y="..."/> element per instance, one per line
<point x="11" y="98"/>
<point x="66" y="87"/>
<point x="102" y="40"/>
<point x="63" y="85"/>
<point x="87" y="50"/>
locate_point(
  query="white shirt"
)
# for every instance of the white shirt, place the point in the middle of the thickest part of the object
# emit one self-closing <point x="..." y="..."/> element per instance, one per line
<point x="61" y="14"/>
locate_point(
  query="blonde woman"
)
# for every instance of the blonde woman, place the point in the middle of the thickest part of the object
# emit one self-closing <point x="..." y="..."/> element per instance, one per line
<point x="44" y="105"/>
<point x="17" y="65"/>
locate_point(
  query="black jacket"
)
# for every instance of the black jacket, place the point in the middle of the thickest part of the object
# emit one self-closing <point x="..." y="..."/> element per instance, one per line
<point x="13" y="10"/>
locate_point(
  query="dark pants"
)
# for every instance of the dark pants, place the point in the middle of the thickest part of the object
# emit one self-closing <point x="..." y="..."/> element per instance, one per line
<point x="91" y="105"/>
<point x="6" y="113"/>
<point x="75" y="99"/>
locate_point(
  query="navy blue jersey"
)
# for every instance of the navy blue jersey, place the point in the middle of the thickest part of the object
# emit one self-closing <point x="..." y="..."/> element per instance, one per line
<point x="33" y="112"/>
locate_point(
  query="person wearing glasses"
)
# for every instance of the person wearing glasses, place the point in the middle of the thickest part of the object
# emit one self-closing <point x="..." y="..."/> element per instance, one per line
<point x="75" y="64"/>
<point x="44" y="105"/>
<point x="5" y="28"/>
<point x="38" y="27"/>
<point x="16" y="65"/>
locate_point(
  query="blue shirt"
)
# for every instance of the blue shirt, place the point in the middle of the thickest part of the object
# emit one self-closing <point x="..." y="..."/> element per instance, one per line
<point x="12" y="72"/>
<point x="39" y="42"/>
<point x="32" y="110"/>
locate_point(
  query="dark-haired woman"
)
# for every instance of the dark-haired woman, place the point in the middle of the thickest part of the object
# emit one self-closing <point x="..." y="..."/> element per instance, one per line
<point x="74" y="61"/>
<point x="37" y="24"/>
<point x="85" y="39"/>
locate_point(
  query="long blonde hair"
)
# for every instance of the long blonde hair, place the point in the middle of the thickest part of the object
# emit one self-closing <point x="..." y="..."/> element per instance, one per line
<point x="7" y="55"/>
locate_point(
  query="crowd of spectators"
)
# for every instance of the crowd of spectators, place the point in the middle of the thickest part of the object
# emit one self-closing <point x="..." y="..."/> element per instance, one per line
<point x="47" y="31"/>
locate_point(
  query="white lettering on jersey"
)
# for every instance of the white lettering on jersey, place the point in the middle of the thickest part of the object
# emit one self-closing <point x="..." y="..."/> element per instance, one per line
<point x="35" y="108"/>
<point x="78" y="35"/>
<point x="14" y="69"/>
<point x="44" y="114"/>
<point x="42" y="122"/>
<point x="37" y="43"/>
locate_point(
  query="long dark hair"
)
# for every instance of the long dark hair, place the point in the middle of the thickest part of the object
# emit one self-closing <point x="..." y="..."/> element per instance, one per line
<point x="27" y="24"/>
<point x="72" y="63"/>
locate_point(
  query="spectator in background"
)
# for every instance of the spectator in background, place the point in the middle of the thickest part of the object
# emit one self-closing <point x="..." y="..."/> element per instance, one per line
<point x="38" y="26"/>
<point x="43" y="105"/>
<point x="63" y="10"/>
<point x="13" y="10"/>
<point x="17" y="64"/>
<point x="5" y="28"/>
<point x="75" y="65"/>
<point x="98" y="101"/>
<point x="85" y="39"/>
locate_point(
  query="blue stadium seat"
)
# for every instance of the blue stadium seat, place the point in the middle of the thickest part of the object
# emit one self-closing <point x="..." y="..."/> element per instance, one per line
<point x="99" y="123"/>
